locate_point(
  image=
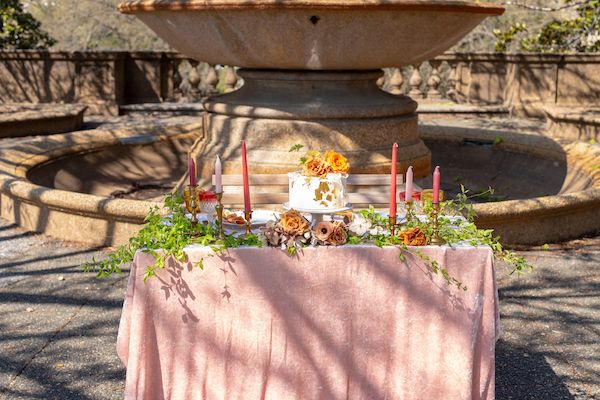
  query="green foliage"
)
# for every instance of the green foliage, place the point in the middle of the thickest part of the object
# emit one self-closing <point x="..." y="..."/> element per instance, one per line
<point x="167" y="236"/>
<point x="296" y="147"/>
<point x="19" y="29"/>
<point x="578" y="34"/>
<point x="505" y="38"/>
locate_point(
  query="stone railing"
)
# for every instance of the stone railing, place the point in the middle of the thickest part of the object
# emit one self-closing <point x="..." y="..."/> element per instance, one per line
<point x="434" y="80"/>
<point x="524" y="83"/>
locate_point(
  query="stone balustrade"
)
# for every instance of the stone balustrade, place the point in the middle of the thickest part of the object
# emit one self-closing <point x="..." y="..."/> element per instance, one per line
<point x="104" y="81"/>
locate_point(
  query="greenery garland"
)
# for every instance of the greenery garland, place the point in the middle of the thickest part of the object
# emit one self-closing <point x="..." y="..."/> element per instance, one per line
<point x="165" y="237"/>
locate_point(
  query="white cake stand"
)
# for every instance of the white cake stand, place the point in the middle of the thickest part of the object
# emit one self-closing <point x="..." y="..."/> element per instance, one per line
<point x="317" y="214"/>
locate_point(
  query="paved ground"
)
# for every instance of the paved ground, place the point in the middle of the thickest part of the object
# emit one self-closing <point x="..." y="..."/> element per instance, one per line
<point x="58" y="325"/>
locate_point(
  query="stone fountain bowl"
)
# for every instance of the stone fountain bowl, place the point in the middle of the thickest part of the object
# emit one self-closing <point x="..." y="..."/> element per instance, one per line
<point x="311" y="34"/>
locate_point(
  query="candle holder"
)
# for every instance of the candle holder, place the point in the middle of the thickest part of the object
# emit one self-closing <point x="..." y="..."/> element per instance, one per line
<point x="248" y="216"/>
<point x="409" y="211"/>
<point x="191" y="196"/>
<point x="219" y="209"/>
<point x="435" y="235"/>
<point x="392" y="222"/>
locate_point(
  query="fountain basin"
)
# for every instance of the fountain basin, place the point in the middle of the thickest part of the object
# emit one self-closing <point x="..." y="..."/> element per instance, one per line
<point x="311" y="34"/>
<point x="552" y="187"/>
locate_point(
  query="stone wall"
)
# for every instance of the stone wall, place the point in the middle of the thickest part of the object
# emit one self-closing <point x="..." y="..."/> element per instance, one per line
<point x="525" y="83"/>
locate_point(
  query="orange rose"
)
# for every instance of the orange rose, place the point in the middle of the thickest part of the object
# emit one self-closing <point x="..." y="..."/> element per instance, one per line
<point x="414" y="237"/>
<point x="294" y="223"/>
<point x="338" y="162"/>
<point x="316" y="167"/>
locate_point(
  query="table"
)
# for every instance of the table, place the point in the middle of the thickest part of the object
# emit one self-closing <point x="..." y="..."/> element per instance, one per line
<point x="349" y="322"/>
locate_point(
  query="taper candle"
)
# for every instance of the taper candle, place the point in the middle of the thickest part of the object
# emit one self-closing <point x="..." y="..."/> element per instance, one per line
<point x="393" y="181"/>
<point x="192" y="170"/>
<point x="409" y="184"/>
<point x="218" y="178"/>
<point x="247" y="205"/>
<point x="436" y="186"/>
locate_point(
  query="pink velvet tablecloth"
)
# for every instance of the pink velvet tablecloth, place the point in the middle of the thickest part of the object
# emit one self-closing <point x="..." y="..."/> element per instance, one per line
<point x="353" y="322"/>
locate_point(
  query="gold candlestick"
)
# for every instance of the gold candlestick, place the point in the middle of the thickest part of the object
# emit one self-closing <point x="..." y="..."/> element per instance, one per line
<point x="248" y="215"/>
<point x="435" y="236"/>
<point x="219" y="209"/>
<point x="191" y="195"/>
<point x="392" y="222"/>
<point x="409" y="211"/>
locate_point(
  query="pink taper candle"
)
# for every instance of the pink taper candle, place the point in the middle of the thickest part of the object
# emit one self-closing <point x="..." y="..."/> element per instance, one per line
<point x="393" y="181"/>
<point x="436" y="185"/>
<point x="409" y="184"/>
<point x="247" y="206"/>
<point x="192" y="170"/>
<point x="218" y="173"/>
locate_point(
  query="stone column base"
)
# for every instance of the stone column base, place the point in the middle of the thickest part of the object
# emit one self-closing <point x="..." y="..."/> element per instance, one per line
<point x="339" y="110"/>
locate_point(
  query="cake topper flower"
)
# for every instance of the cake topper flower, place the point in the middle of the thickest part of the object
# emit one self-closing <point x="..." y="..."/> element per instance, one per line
<point x="315" y="164"/>
<point x="337" y="162"/>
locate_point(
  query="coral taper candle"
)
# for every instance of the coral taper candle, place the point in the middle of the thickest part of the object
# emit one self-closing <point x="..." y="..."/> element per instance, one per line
<point x="218" y="178"/>
<point x="409" y="184"/>
<point x="247" y="205"/>
<point x="393" y="181"/>
<point x="192" y="170"/>
<point x="436" y="185"/>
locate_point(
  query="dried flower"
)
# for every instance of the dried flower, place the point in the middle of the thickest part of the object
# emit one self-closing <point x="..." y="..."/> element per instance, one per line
<point x="316" y="167"/>
<point x="293" y="223"/>
<point x="359" y="225"/>
<point x="338" y="236"/>
<point x="337" y="162"/>
<point x="331" y="233"/>
<point x="413" y="237"/>
<point x="323" y="230"/>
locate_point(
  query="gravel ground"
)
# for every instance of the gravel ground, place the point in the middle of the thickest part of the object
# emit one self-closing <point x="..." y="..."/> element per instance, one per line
<point x="58" y="325"/>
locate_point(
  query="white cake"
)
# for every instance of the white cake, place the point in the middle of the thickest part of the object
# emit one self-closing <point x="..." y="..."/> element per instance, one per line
<point x="325" y="193"/>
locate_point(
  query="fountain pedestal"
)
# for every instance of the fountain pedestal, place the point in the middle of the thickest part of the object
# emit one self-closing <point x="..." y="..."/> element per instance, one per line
<point x="340" y="110"/>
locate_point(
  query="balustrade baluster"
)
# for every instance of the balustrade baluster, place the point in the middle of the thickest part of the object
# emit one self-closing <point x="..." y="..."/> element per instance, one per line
<point x="434" y="81"/>
<point x="230" y="79"/>
<point x="415" y="83"/>
<point x="396" y="81"/>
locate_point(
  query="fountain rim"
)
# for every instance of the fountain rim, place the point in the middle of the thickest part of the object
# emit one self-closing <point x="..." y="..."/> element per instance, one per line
<point x="139" y="6"/>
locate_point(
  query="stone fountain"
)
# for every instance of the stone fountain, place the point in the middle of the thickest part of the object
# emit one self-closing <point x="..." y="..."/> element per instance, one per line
<point x="310" y="69"/>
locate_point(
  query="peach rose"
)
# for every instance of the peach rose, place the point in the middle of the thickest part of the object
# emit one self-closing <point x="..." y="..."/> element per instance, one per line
<point x="294" y="223"/>
<point x="316" y="167"/>
<point x="338" y="162"/>
<point x="338" y="236"/>
<point x="414" y="237"/>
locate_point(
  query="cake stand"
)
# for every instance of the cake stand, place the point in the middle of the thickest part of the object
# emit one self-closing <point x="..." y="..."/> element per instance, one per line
<point x="318" y="215"/>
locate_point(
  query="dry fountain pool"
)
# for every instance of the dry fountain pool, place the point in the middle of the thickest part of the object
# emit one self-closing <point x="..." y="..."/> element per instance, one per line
<point x="96" y="186"/>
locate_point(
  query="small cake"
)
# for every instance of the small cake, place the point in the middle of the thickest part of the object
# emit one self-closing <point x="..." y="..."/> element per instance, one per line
<point x="321" y="184"/>
<point x="317" y="193"/>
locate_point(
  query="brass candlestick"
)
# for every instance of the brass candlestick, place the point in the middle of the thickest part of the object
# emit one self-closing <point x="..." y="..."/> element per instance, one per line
<point x="435" y="236"/>
<point x="409" y="211"/>
<point x="219" y="209"/>
<point x="191" y="195"/>
<point x="392" y="222"/>
<point x="248" y="215"/>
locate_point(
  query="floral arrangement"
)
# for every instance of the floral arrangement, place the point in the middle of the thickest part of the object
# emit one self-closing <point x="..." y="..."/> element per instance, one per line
<point x="167" y="236"/>
<point x="315" y="164"/>
<point x="292" y="231"/>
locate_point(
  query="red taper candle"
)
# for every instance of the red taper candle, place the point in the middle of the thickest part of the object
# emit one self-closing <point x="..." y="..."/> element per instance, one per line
<point x="393" y="181"/>
<point x="192" y="170"/>
<point x="436" y="186"/>
<point x="247" y="205"/>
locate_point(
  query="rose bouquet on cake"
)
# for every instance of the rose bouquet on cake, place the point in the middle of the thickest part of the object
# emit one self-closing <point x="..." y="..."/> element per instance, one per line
<point x="320" y="184"/>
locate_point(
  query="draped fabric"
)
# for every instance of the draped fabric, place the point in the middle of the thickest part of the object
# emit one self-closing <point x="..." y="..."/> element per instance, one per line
<point x="350" y="322"/>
